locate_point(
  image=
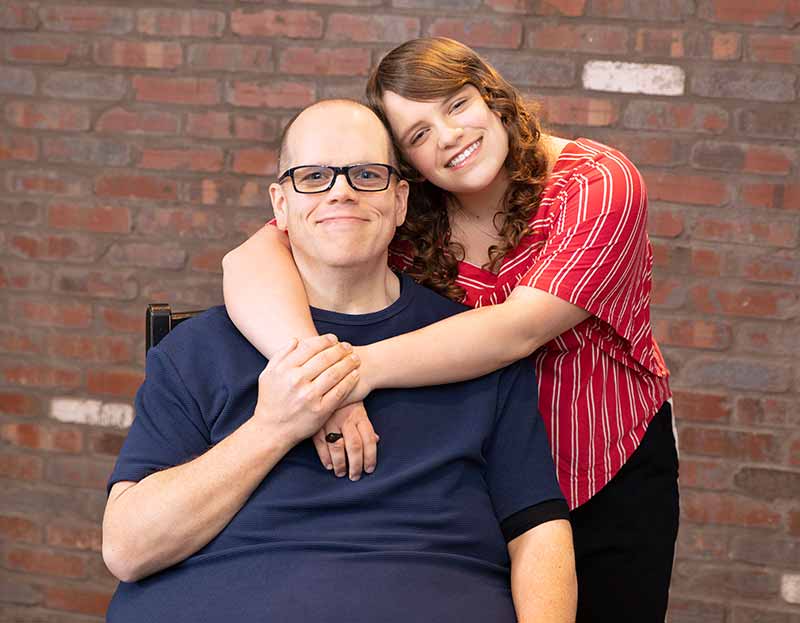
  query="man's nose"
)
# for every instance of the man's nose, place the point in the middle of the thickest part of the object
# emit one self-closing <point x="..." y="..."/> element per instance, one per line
<point x="341" y="190"/>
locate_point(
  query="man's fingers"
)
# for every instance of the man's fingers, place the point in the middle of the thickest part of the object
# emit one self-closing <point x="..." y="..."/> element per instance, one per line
<point x="332" y="377"/>
<point x="354" y="448"/>
<point x="369" y="441"/>
<point x="308" y="347"/>
<point x="283" y="352"/>
<point x="338" y="456"/>
<point x="322" y="449"/>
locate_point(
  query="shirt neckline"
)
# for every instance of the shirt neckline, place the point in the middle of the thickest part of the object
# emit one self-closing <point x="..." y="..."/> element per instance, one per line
<point x="403" y="301"/>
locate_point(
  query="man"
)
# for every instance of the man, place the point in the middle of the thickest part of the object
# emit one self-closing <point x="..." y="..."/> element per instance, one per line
<point x="218" y="507"/>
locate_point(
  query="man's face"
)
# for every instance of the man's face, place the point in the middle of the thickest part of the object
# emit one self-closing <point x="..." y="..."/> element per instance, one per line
<point x="340" y="227"/>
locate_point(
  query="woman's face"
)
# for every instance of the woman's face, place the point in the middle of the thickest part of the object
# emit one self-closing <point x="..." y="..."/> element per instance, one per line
<point x="457" y="143"/>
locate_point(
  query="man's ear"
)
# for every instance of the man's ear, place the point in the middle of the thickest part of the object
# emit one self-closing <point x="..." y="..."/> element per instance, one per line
<point x="401" y="201"/>
<point x="278" y="205"/>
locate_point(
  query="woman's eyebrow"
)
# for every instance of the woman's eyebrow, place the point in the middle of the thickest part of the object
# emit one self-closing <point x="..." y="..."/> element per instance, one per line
<point x="445" y="103"/>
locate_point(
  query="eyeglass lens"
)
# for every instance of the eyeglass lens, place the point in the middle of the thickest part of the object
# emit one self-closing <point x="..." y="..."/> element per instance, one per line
<point x="362" y="177"/>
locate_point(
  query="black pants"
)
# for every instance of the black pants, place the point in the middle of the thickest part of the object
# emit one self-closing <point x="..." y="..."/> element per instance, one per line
<point x="625" y="535"/>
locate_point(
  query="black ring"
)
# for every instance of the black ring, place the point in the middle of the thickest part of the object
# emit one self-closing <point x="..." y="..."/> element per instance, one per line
<point x="333" y="437"/>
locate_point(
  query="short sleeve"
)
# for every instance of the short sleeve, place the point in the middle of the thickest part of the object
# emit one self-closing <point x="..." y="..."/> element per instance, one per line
<point x="168" y="428"/>
<point x="520" y="472"/>
<point x="597" y="253"/>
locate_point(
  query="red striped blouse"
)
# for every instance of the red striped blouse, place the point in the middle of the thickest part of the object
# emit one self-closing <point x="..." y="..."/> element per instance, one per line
<point x="601" y="382"/>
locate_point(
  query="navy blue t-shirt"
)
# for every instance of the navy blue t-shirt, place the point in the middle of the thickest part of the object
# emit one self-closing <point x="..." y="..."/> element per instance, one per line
<point x="420" y="539"/>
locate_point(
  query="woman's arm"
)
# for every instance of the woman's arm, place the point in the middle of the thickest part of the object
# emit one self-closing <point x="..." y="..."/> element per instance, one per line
<point x="469" y="344"/>
<point x="256" y="274"/>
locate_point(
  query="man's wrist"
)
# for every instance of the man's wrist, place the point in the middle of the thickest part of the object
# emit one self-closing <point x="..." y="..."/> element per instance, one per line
<point x="270" y="437"/>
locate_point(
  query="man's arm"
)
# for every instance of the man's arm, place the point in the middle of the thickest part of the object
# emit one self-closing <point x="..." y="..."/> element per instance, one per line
<point x="167" y="516"/>
<point x="543" y="580"/>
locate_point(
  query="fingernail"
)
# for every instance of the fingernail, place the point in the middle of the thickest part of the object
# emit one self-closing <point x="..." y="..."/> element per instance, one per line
<point x="369" y="470"/>
<point x="328" y="466"/>
<point x="346" y="346"/>
<point x="332" y="338"/>
<point x="354" y="478"/>
<point x="355" y="358"/>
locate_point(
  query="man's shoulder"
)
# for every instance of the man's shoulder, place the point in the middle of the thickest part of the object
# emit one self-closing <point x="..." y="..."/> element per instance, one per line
<point x="433" y="304"/>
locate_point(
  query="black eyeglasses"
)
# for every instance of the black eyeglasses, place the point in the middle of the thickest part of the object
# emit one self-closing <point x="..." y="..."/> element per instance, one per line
<point x="371" y="177"/>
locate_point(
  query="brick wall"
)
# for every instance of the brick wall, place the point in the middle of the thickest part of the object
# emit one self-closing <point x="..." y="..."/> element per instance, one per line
<point x="136" y="144"/>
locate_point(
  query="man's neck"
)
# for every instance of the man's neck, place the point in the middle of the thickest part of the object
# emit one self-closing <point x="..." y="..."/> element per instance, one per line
<point x="349" y="290"/>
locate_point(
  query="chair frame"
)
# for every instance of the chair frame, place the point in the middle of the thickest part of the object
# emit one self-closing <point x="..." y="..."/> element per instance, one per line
<point x="160" y="320"/>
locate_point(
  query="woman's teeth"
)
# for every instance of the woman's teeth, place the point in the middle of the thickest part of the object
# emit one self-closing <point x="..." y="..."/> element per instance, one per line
<point x="464" y="154"/>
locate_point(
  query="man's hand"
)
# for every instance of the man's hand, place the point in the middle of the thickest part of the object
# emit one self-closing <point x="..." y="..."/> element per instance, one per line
<point x="359" y="442"/>
<point x="303" y="384"/>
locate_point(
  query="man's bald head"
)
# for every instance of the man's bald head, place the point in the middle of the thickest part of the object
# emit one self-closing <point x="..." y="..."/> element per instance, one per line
<point x="316" y="114"/>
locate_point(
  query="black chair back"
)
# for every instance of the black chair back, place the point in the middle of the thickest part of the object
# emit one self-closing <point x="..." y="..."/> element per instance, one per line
<point x="160" y="320"/>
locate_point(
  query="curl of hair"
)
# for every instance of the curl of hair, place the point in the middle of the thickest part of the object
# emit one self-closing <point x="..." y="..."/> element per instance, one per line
<point x="428" y="69"/>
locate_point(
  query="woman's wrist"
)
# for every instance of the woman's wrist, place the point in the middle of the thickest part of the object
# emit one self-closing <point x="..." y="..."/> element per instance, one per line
<point x="369" y="371"/>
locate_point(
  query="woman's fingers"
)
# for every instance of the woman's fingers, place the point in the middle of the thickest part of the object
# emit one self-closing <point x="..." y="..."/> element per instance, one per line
<point x="322" y="449"/>
<point x="369" y="441"/>
<point x="354" y="448"/>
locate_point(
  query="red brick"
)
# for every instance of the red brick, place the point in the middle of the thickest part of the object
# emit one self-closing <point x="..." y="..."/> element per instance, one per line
<point x="271" y="94"/>
<point x="84" y="85"/>
<point x="255" y="127"/>
<point x="223" y="191"/>
<point x="701" y="406"/>
<point x="702" y="542"/>
<point x="73" y="248"/>
<point x="45" y="49"/>
<point x="46" y="563"/>
<point x="143" y="54"/>
<point x="659" y="151"/>
<point x="747" y="230"/>
<point x="79" y="472"/>
<point x="769" y="411"/>
<point x="231" y="57"/>
<point x="74" y="534"/>
<point x="16" y="81"/>
<point x="197" y="91"/>
<point x="767" y="13"/>
<point x="742" y="157"/>
<point x="121" y="383"/>
<point x="14" y="341"/>
<point x="702" y="474"/>
<point x="579" y="38"/>
<point x="18" y="147"/>
<point x="569" y="8"/>
<point x="692" y="333"/>
<point x="98" y="349"/>
<point x="81" y="600"/>
<point x="774" y="160"/>
<point x="728" y="509"/>
<point x="726" y="46"/>
<point x="18" y="528"/>
<point x="724" y="580"/>
<point x="20" y="467"/>
<point x="707" y="262"/>
<point x="208" y="260"/>
<point x="136" y="186"/>
<point x="87" y="19"/>
<point x="15" y="403"/>
<point x="372" y="28"/>
<point x="667" y="116"/>
<point x="325" y="61"/>
<point x="751" y="374"/>
<point x="588" y="111"/>
<point x="24" y="276"/>
<point x="182" y="222"/>
<point x="774" y="49"/>
<point x="255" y="161"/>
<point x="106" y="443"/>
<point x="772" y="269"/>
<point x="177" y="23"/>
<point x="119" y="120"/>
<point x="752" y="301"/>
<point x="669" y="293"/>
<point x="147" y="255"/>
<point x="737" y="445"/>
<point x="86" y="151"/>
<point x="283" y="23"/>
<point x="46" y="116"/>
<point x="689" y="189"/>
<point x="123" y="320"/>
<point x="198" y="159"/>
<point x="98" y="219"/>
<point x="739" y="82"/>
<point x="39" y="437"/>
<point x="665" y="223"/>
<point x="794" y="523"/>
<point x="479" y="32"/>
<point x="53" y="314"/>
<point x="771" y="484"/>
<point x="661" y="42"/>
<point x="46" y="183"/>
<point x="96" y="283"/>
<point x="18" y="16"/>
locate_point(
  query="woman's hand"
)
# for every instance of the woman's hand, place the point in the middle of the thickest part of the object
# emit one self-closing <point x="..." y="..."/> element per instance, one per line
<point x="357" y="447"/>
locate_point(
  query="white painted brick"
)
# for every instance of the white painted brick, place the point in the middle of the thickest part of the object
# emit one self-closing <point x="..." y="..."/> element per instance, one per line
<point x="634" y="78"/>
<point x="93" y="412"/>
<point x="790" y="588"/>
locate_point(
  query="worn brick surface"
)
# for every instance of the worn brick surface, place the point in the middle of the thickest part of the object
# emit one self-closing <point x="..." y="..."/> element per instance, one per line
<point x="137" y="144"/>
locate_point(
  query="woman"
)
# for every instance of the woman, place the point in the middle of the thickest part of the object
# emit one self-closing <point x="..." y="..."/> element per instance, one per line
<point x="546" y="239"/>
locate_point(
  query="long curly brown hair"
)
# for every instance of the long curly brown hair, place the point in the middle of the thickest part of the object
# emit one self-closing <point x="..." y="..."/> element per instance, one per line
<point x="428" y="69"/>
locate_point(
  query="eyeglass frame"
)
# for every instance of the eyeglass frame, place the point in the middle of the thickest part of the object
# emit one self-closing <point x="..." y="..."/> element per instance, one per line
<point x="337" y="171"/>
